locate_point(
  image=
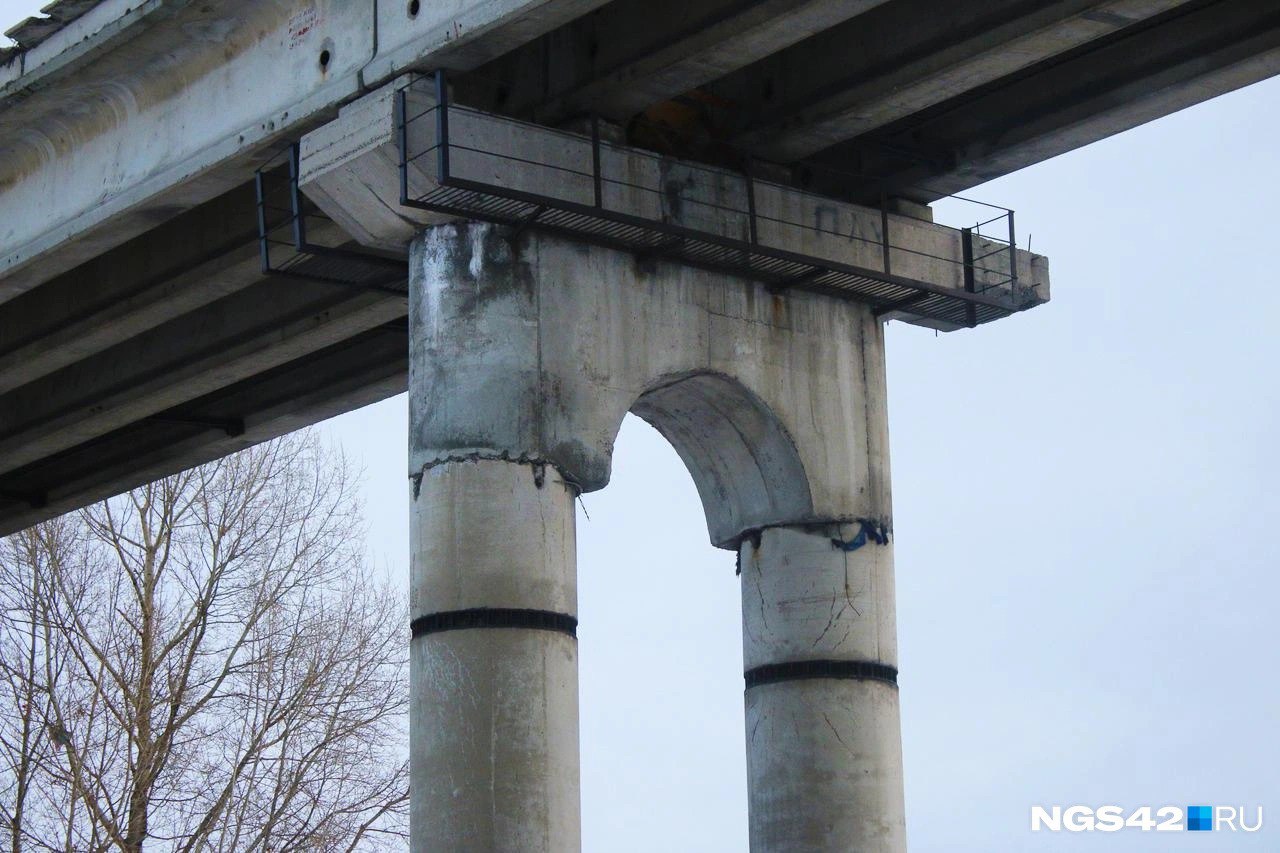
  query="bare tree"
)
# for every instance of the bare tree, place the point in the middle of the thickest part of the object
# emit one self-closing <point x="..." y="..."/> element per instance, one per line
<point x="204" y="664"/>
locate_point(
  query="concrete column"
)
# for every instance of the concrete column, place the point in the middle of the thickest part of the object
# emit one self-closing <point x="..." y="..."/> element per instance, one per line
<point x="824" y="755"/>
<point x="494" y="713"/>
<point x="494" y="705"/>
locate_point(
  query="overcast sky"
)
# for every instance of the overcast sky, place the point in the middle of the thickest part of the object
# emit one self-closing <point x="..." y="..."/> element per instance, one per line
<point x="1086" y="524"/>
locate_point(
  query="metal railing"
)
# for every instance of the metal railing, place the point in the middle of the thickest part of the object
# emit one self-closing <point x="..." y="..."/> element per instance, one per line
<point x="458" y="161"/>
<point x="297" y="240"/>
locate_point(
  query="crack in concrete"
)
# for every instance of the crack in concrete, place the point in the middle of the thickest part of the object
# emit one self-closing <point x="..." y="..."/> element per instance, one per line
<point x="835" y="732"/>
<point x="831" y="620"/>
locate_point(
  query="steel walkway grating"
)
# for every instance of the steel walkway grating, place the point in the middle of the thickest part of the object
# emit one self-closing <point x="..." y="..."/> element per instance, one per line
<point x="452" y="163"/>
<point x="654" y="241"/>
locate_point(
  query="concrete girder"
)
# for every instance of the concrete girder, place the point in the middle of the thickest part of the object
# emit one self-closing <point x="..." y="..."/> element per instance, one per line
<point x="632" y="54"/>
<point x="1138" y="74"/>
<point x="242" y="335"/>
<point x="361" y="370"/>
<point x="107" y="24"/>
<point x="461" y="34"/>
<point x="137" y="111"/>
<point x="913" y="58"/>
<point x="133" y="112"/>
<point x="1197" y="61"/>
<point x="188" y="262"/>
<point x="176" y="114"/>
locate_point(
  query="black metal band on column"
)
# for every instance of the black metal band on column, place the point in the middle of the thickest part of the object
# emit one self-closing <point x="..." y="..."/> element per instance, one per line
<point x="494" y="617"/>
<point x="860" y="670"/>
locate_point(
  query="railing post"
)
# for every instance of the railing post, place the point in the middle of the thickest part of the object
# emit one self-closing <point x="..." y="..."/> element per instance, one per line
<point x="751" y="205"/>
<point x="966" y="249"/>
<point x="442" y="127"/>
<point x="884" y="230"/>
<point x="402" y="141"/>
<point x="1013" y="257"/>
<point x="264" y="250"/>
<point x="295" y="200"/>
<point x="597" y="184"/>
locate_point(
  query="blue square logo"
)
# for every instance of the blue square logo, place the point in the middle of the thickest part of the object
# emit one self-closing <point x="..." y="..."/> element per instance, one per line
<point x="1199" y="818"/>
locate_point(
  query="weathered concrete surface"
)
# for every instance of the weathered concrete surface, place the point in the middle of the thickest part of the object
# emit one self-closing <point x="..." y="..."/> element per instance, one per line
<point x="824" y="767"/>
<point x="824" y="760"/>
<point x="138" y="110"/>
<point x="803" y="598"/>
<point x="529" y="351"/>
<point x="461" y="33"/>
<point x="536" y="349"/>
<point x="107" y="143"/>
<point x="523" y="557"/>
<point x="494" y="711"/>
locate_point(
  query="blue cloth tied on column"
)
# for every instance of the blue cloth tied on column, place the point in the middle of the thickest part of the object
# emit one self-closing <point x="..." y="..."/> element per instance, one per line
<point x="867" y="531"/>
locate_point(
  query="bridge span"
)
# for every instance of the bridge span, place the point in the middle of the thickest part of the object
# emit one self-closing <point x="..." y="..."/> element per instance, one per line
<point x="225" y="220"/>
<point x="138" y="334"/>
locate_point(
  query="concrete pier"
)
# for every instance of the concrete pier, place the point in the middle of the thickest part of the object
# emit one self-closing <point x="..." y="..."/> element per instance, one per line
<point x="527" y="350"/>
<point x="824" y="757"/>
<point x="494" y="720"/>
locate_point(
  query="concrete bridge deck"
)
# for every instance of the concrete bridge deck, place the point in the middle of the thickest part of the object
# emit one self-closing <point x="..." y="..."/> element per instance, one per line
<point x="138" y="333"/>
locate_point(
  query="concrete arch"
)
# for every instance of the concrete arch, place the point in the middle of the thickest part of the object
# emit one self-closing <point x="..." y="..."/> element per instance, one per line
<point x="534" y="349"/>
<point x="745" y="465"/>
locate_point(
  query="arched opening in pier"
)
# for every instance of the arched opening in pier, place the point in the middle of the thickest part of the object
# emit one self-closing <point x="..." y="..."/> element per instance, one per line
<point x="660" y="635"/>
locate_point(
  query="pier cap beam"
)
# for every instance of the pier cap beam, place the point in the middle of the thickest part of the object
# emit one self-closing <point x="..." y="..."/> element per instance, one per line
<point x="403" y="158"/>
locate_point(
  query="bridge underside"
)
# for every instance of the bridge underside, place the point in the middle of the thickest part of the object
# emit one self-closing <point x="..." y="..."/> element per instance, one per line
<point x="139" y="335"/>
